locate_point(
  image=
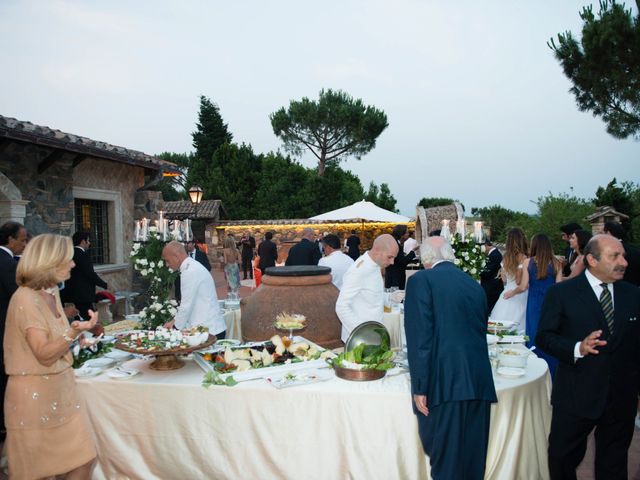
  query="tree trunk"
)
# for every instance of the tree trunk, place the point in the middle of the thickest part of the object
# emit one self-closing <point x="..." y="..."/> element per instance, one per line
<point x="321" y="164"/>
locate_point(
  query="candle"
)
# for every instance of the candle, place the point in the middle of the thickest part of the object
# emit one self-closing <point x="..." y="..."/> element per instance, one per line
<point x="444" y="231"/>
<point x="460" y="227"/>
<point x="477" y="232"/>
<point x="175" y="233"/>
<point x="161" y="222"/>
<point x="136" y="234"/>
<point x="145" y="229"/>
<point x="165" y="228"/>
<point x="187" y="230"/>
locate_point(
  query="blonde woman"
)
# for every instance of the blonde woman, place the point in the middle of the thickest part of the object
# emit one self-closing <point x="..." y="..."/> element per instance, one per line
<point x="231" y="261"/>
<point x="48" y="431"/>
<point x="512" y="305"/>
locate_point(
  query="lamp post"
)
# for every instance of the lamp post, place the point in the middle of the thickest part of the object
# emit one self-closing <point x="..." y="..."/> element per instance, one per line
<point x="195" y="195"/>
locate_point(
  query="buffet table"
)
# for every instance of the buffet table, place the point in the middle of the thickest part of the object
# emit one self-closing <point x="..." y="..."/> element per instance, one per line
<point x="164" y="425"/>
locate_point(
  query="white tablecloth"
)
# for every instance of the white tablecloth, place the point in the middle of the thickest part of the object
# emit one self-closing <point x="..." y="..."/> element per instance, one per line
<point x="164" y="425"/>
<point x="234" y="326"/>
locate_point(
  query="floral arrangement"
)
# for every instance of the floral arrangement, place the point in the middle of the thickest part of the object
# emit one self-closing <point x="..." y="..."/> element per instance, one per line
<point x="146" y="258"/>
<point x="469" y="255"/>
<point x="158" y="313"/>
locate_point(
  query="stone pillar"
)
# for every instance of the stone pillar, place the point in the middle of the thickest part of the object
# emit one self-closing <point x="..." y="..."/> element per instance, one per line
<point x="13" y="210"/>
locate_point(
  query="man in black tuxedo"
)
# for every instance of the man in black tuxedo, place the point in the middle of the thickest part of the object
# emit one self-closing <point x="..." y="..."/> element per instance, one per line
<point x="80" y="289"/>
<point x="13" y="239"/>
<point x="247" y="248"/>
<point x="395" y="275"/>
<point x="591" y="324"/>
<point x="268" y="252"/>
<point x="446" y="324"/>
<point x="194" y="252"/>
<point x="489" y="278"/>
<point x="305" y="252"/>
<point x="631" y="253"/>
<point x="353" y="245"/>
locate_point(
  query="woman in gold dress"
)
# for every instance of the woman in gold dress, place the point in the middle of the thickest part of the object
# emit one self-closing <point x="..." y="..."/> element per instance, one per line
<point x="48" y="431"/>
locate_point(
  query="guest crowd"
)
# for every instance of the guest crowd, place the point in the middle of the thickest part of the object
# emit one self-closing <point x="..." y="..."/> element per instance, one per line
<point x="580" y="312"/>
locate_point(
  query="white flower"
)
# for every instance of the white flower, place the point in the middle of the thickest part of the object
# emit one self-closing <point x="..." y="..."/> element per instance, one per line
<point x="160" y="263"/>
<point x="143" y="313"/>
<point x="457" y="261"/>
<point x="152" y="264"/>
<point x="144" y="272"/>
<point x="473" y="271"/>
<point x="153" y="228"/>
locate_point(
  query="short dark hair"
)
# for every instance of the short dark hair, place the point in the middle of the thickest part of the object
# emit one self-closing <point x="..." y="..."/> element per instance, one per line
<point x="332" y="240"/>
<point x="569" y="228"/>
<point x="398" y="231"/>
<point x="9" y="229"/>
<point x="78" y="237"/>
<point x="615" y="229"/>
<point x="591" y="248"/>
<point x="268" y="235"/>
<point x="353" y="232"/>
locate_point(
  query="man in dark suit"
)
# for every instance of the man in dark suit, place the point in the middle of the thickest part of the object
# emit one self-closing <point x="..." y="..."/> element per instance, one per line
<point x="268" y="252"/>
<point x="80" y="289"/>
<point x="489" y="278"/>
<point x="591" y="324"/>
<point x="570" y="254"/>
<point x="451" y="381"/>
<point x="305" y="252"/>
<point x="247" y="249"/>
<point x="353" y="245"/>
<point x="631" y="253"/>
<point x="13" y="239"/>
<point x="395" y="275"/>
<point x="194" y="252"/>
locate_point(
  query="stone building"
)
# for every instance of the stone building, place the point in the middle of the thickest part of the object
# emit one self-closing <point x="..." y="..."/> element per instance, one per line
<point x="59" y="182"/>
<point x="603" y="215"/>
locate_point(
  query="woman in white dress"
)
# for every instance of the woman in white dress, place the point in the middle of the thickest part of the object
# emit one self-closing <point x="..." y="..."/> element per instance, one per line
<point x="512" y="305"/>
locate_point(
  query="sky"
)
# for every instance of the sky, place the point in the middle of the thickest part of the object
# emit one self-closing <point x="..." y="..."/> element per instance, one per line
<point x="479" y="109"/>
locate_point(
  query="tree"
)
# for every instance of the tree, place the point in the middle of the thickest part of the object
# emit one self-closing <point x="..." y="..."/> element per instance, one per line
<point x="605" y="66"/>
<point x="381" y="196"/>
<point x="499" y="219"/>
<point x="625" y="198"/>
<point x="435" y="202"/>
<point x="211" y="133"/>
<point x="172" y="188"/>
<point x="333" y="128"/>
<point x="555" y="211"/>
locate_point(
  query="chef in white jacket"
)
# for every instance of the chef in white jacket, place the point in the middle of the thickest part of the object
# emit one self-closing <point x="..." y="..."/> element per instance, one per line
<point x="361" y="298"/>
<point x="199" y="303"/>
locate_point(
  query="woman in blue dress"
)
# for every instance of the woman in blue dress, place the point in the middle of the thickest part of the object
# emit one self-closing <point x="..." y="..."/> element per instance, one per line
<point x="540" y="271"/>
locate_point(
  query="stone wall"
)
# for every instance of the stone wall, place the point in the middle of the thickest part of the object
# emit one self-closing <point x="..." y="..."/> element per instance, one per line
<point x="50" y="198"/>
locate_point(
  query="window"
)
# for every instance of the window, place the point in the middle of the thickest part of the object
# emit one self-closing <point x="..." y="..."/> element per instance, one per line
<point x="92" y="216"/>
<point x="100" y="212"/>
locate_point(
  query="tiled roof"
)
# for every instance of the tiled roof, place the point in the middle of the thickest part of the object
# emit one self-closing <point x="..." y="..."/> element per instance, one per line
<point x="13" y="129"/>
<point x="290" y="221"/>
<point x="605" y="211"/>
<point x="207" y="209"/>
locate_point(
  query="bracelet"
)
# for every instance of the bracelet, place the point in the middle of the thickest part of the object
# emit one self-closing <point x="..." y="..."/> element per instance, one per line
<point x="520" y="267"/>
<point x="67" y="338"/>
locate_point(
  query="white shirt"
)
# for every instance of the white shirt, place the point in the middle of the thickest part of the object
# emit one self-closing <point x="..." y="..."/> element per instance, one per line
<point x="199" y="305"/>
<point x="409" y="245"/>
<point x="339" y="264"/>
<point x="594" y="282"/>
<point x="361" y="297"/>
<point x="6" y="249"/>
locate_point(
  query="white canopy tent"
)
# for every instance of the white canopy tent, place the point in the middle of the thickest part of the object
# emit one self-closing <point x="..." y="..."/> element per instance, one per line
<point x="362" y="211"/>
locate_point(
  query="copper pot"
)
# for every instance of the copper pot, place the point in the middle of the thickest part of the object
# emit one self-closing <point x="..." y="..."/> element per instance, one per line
<point x="359" y="375"/>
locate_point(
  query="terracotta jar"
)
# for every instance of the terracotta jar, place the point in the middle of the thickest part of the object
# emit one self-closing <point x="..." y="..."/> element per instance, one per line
<point x="306" y="290"/>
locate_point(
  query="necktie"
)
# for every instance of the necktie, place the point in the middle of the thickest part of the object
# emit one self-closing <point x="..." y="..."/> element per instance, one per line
<point x="607" y="305"/>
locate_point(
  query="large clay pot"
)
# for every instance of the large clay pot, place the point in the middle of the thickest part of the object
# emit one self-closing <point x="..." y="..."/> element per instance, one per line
<point x="301" y="289"/>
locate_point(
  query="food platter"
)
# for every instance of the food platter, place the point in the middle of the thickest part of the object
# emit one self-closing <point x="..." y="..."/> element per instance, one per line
<point x="494" y="326"/>
<point x="301" y="377"/>
<point x="165" y="359"/>
<point x="207" y="362"/>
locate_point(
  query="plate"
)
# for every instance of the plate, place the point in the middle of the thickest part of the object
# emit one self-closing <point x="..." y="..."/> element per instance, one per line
<point x="499" y="326"/>
<point x="108" y="338"/>
<point x="85" y="371"/>
<point x="227" y="342"/>
<point x="99" y="362"/>
<point x="302" y="377"/>
<point x="511" y="339"/>
<point x="120" y="373"/>
<point x="492" y="339"/>
<point x="511" y="372"/>
<point x="118" y="355"/>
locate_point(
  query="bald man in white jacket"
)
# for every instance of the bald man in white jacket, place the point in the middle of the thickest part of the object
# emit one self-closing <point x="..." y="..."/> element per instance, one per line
<point x="361" y="297"/>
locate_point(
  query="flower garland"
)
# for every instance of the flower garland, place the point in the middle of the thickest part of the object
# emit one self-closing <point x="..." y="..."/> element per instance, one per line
<point x="146" y="259"/>
<point x="469" y="255"/>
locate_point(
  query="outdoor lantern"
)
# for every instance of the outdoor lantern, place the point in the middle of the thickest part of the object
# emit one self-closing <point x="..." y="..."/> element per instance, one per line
<point x="195" y="195"/>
